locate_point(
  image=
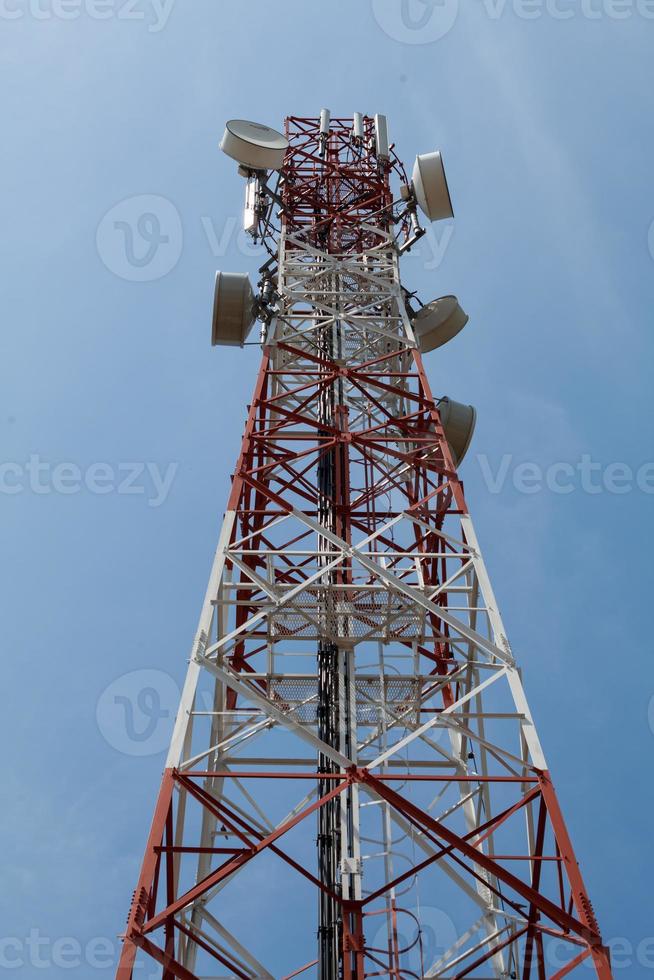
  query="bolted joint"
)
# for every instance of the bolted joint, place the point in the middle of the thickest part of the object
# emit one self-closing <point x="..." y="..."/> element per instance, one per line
<point x="354" y="942"/>
<point x="357" y="774"/>
<point x="139" y="907"/>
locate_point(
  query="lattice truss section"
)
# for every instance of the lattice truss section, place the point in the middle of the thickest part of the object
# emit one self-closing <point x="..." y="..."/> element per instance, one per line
<point x="451" y="856"/>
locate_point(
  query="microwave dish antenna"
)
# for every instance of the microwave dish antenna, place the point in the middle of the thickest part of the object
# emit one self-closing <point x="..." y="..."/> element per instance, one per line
<point x="253" y="145"/>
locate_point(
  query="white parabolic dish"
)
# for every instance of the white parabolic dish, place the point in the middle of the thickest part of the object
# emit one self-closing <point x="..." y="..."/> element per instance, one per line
<point x="458" y="420"/>
<point x="254" y="145"/>
<point x="437" y="322"/>
<point x="233" y="309"/>
<point x="430" y="186"/>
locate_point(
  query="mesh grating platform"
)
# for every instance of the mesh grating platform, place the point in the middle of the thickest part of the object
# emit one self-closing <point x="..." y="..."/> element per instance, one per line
<point x="368" y="615"/>
<point x="396" y="694"/>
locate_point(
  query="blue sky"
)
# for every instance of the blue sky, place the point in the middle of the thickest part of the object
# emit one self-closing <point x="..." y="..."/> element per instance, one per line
<point x="120" y="425"/>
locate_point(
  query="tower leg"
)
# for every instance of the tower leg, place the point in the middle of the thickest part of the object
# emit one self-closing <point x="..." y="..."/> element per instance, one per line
<point x="143" y="896"/>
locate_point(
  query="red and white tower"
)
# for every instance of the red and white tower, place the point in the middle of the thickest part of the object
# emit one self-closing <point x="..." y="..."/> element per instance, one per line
<point x="354" y="762"/>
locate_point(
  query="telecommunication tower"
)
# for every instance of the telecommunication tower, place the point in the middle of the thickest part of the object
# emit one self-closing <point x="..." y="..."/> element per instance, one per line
<point x="355" y="786"/>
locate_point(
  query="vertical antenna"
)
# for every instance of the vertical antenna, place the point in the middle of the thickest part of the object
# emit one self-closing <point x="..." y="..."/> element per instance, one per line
<point x="325" y="118"/>
<point x="381" y="137"/>
<point x="357" y="128"/>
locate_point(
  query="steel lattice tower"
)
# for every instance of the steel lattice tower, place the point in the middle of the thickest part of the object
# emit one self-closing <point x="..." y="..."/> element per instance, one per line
<point x="353" y="722"/>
